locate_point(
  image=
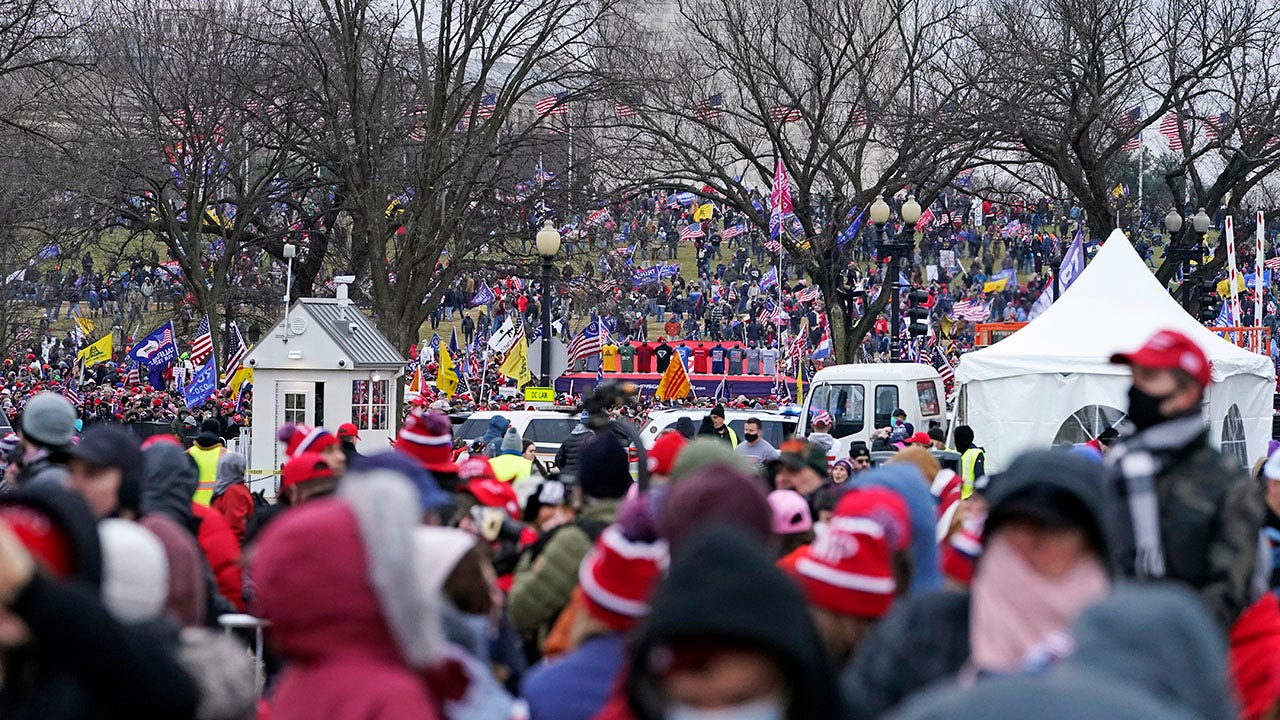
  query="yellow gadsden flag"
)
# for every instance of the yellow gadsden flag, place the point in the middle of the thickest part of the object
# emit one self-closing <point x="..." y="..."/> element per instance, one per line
<point x="446" y="376"/>
<point x="86" y="325"/>
<point x="703" y="212"/>
<point x="516" y="364"/>
<point x="674" y="384"/>
<point x="100" y="351"/>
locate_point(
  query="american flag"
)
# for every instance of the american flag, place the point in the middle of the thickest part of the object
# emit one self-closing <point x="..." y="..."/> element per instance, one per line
<point x="597" y="217"/>
<point x="773" y="246"/>
<point x="710" y="109"/>
<point x="733" y="231"/>
<point x="1127" y="121"/>
<point x="623" y="110"/>
<point x="236" y="350"/>
<point x="692" y="231"/>
<point x="795" y="350"/>
<point x="858" y="115"/>
<point x="1213" y="125"/>
<point x="971" y="310"/>
<point x="552" y="105"/>
<point x="23" y="335"/>
<point x="784" y="114"/>
<point x="926" y="219"/>
<point x="586" y="343"/>
<point x="809" y="294"/>
<point x="1170" y="128"/>
<point x="134" y="376"/>
<point x="72" y="395"/>
<point x="202" y="346"/>
<point x="484" y="108"/>
<point x="939" y="360"/>
<point x="1272" y="263"/>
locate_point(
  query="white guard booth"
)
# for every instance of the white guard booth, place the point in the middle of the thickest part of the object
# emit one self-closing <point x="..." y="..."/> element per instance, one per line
<point x="1052" y="381"/>
<point x="325" y="364"/>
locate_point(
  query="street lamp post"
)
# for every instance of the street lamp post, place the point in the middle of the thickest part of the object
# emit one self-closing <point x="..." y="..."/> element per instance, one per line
<point x="1200" y="223"/>
<point x="290" y="252"/>
<point x="1172" y="225"/>
<point x="548" y="244"/>
<point x="879" y="212"/>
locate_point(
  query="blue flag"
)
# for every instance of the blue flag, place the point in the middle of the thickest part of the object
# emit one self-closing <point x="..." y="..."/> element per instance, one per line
<point x="483" y="296"/>
<point x="435" y="341"/>
<point x="156" y="350"/>
<point x="770" y="279"/>
<point x="453" y="343"/>
<point x="851" y="232"/>
<point x="202" y="386"/>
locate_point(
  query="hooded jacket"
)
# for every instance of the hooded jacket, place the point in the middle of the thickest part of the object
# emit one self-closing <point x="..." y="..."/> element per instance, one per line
<point x="231" y="496"/>
<point x="925" y="638"/>
<point x="169" y="478"/>
<point x="926" y="574"/>
<point x="702" y="597"/>
<point x="1145" y="652"/>
<point x="351" y="648"/>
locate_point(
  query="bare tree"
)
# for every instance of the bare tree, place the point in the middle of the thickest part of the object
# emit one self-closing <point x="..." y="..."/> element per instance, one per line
<point x="184" y="149"/>
<point x="1066" y="84"/>
<point x="845" y="94"/>
<point x="423" y="115"/>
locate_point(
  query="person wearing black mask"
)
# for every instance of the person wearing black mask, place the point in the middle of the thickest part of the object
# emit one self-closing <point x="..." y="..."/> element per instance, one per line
<point x="1183" y="511"/>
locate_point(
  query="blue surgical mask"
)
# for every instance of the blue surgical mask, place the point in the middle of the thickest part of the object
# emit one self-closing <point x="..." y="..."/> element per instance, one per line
<point x="770" y="708"/>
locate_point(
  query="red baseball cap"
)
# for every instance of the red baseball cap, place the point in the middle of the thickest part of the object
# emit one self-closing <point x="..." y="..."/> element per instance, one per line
<point x="304" y="467"/>
<point x="1170" y="350"/>
<point x="348" y="430"/>
<point x="920" y="438"/>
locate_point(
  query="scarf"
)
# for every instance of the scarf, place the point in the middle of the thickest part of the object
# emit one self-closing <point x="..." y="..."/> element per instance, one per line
<point x="1136" y="463"/>
<point x="1016" y="609"/>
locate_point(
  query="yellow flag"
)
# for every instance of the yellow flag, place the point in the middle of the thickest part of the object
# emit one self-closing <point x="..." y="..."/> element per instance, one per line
<point x="1224" y="286"/>
<point x="516" y="364"/>
<point x="98" y="352"/>
<point x="995" y="285"/>
<point x="674" y="384"/>
<point x="446" y="376"/>
<point x="703" y="212"/>
<point x="238" y="379"/>
<point x="86" y="325"/>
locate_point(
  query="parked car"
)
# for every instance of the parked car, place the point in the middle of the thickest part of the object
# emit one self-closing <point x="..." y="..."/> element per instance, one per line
<point x="547" y="429"/>
<point x="774" y="426"/>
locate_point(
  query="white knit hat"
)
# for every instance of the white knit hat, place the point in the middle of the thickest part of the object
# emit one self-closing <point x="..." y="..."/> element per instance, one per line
<point x="135" y="572"/>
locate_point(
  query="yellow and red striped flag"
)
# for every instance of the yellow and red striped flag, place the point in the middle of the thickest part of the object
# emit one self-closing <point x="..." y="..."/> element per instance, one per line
<point x="674" y="384"/>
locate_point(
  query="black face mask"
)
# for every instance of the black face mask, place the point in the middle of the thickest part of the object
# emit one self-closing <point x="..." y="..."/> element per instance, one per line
<point x="1144" y="409"/>
<point x="750" y="437"/>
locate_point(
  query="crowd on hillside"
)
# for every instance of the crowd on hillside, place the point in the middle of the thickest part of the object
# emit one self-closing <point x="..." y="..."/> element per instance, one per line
<point x="731" y="579"/>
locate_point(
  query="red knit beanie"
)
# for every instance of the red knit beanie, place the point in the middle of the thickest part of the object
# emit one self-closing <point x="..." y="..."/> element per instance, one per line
<point x="618" y="576"/>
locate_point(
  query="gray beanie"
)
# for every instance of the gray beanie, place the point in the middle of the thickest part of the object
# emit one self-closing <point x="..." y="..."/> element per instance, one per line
<point x="49" y="420"/>
<point x="512" y="444"/>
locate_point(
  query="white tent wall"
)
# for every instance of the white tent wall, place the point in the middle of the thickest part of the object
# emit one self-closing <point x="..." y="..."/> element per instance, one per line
<point x="1019" y="393"/>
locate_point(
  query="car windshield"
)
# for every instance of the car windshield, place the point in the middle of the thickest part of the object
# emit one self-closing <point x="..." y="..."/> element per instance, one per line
<point x="846" y="403"/>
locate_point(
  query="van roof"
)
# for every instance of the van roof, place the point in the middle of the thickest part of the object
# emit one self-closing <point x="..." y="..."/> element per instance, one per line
<point x="521" y="414"/>
<point x="877" y="371"/>
<point x="728" y="412"/>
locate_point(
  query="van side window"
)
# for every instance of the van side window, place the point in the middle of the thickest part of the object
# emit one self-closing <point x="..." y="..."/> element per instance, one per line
<point x="886" y="403"/>
<point x="846" y="403"/>
<point x="928" y="393"/>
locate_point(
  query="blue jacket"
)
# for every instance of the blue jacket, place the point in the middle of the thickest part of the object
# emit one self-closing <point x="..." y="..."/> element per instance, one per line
<point x="577" y="685"/>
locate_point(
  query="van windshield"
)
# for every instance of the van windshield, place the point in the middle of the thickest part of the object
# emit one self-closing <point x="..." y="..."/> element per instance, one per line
<point x="846" y="403"/>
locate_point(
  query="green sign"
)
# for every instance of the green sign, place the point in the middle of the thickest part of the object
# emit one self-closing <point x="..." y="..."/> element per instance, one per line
<point x="539" y="394"/>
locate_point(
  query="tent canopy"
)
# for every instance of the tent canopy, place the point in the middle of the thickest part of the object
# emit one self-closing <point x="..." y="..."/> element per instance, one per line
<point x="1113" y="306"/>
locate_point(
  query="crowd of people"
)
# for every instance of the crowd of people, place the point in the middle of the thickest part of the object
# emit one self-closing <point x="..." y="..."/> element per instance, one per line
<point x="1129" y="577"/>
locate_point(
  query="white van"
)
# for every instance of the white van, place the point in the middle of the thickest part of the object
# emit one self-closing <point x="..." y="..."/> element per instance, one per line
<point x="861" y="398"/>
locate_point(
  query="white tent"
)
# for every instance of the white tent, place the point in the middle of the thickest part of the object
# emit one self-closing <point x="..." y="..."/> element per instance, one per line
<point x="1052" y="380"/>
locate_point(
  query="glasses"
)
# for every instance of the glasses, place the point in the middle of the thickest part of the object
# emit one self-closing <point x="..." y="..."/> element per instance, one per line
<point x="862" y="461"/>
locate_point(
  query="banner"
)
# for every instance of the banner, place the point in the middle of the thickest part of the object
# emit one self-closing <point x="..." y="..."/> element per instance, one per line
<point x="157" y="349"/>
<point x="674" y="384"/>
<point x="1072" y="264"/>
<point x="999" y="281"/>
<point x="502" y="339"/>
<point x="202" y="386"/>
<point x="703" y="212"/>
<point x="99" y="351"/>
<point x="483" y="296"/>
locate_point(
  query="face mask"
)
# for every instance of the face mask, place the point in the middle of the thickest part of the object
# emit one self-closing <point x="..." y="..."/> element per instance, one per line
<point x="766" y="709"/>
<point x="750" y="437"/>
<point x="1144" y="409"/>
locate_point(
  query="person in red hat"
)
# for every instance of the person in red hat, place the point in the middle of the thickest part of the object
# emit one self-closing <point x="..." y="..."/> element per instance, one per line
<point x="426" y="437"/>
<point x="305" y="477"/>
<point x="1182" y="510"/>
<point x="348" y="435"/>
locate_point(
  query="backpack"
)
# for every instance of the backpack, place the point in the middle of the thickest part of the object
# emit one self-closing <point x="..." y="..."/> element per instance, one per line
<point x="260" y="499"/>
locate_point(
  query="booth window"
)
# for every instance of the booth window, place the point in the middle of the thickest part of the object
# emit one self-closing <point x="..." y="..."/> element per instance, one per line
<point x="1234" y="444"/>
<point x="1087" y="423"/>
<point x="369" y="404"/>
<point x="846" y="403"/>
<point x="295" y="408"/>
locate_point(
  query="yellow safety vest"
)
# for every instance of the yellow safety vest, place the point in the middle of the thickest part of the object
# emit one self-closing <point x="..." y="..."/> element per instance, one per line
<point x="969" y="471"/>
<point x="509" y="468"/>
<point x="207" y="462"/>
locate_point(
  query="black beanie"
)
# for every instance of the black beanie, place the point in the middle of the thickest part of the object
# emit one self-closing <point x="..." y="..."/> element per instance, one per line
<point x="603" y="469"/>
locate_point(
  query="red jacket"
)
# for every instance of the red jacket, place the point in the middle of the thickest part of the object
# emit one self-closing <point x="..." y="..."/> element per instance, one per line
<point x="223" y="551"/>
<point x="311" y="571"/>
<point x="236" y="505"/>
